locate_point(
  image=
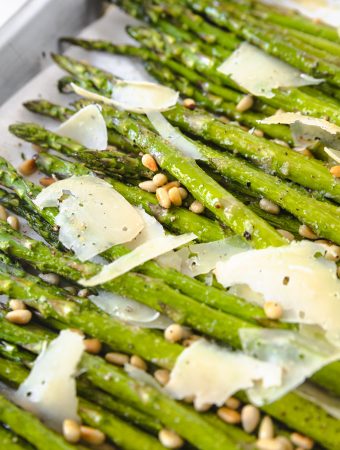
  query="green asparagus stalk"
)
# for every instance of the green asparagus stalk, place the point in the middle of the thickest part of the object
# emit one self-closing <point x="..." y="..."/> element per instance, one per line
<point x="11" y="441"/>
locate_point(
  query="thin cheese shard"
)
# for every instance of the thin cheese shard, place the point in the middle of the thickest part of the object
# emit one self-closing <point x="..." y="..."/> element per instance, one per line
<point x="87" y="126"/>
<point x="212" y="374"/>
<point x="296" y="276"/>
<point x="92" y="215"/>
<point x="134" y="96"/>
<point x="149" y="250"/>
<point x="260" y="73"/>
<point x="50" y="389"/>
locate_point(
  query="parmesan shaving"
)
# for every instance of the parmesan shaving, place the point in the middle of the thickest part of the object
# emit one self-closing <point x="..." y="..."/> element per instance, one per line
<point x="296" y="276"/>
<point x="134" y="96"/>
<point x="93" y="217"/>
<point x="212" y="374"/>
<point x="316" y="395"/>
<point x="50" y="389"/>
<point x="175" y="137"/>
<point x="88" y="127"/>
<point x="130" y="311"/>
<point x="333" y="154"/>
<point x="152" y="229"/>
<point x="259" y="73"/>
<point x="298" y="356"/>
<point x="149" y="250"/>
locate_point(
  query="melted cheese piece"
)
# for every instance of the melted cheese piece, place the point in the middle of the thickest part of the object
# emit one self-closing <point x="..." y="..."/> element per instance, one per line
<point x="130" y="311"/>
<point x="134" y="96"/>
<point x="88" y="127"/>
<point x="297" y="355"/>
<point x="175" y="137"/>
<point x="260" y="73"/>
<point x="149" y="250"/>
<point x="93" y="217"/>
<point x="212" y="374"/>
<point x="50" y="389"/>
<point x="295" y="276"/>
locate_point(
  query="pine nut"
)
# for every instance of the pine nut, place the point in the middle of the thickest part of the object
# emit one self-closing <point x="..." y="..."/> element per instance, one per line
<point x="83" y="293"/>
<point x="92" y="435"/>
<point x="269" y="444"/>
<point x="47" y="181"/>
<point x="269" y="206"/>
<point x="138" y="362"/>
<point x="245" y="103"/>
<point x="71" y="289"/>
<point x="302" y="441"/>
<point x="266" y="430"/>
<point x="149" y="162"/>
<point x="307" y="232"/>
<point x="13" y="221"/>
<point x="170" y="439"/>
<point x="19" y="316"/>
<point x="333" y="253"/>
<point x="286" y="234"/>
<point x="285" y="443"/>
<point x="189" y="399"/>
<point x="93" y="346"/>
<point x="279" y="142"/>
<point x="256" y="132"/>
<point x="28" y="167"/>
<point x="50" y="278"/>
<point x="183" y="193"/>
<point x="160" y="179"/>
<point x="196" y="207"/>
<point x="233" y="403"/>
<point x="119" y="359"/>
<point x="175" y="333"/>
<point x="304" y="151"/>
<point x="229" y="415"/>
<point x="15" y="304"/>
<point x="189" y="103"/>
<point x="203" y="408"/>
<point x="175" y="196"/>
<point x="171" y="184"/>
<point x="162" y="376"/>
<point x="163" y="197"/>
<point x="37" y="148"/>
<point x="3" y="213"/>
<point x="250" y="417"/>
<point x="335" y="171"/>
<point x="273" y="310"/>
<point x="148" y="186"/>
<point x="71" y="431"/>
<point x="224" y="119"/>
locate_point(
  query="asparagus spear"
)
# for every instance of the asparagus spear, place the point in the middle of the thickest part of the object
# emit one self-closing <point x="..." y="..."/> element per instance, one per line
<point x="10" y="441"/>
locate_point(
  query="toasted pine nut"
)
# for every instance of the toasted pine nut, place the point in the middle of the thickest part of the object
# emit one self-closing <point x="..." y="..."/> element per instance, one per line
<point x="160" y="179"/>
<point x="302" y="441"/>
<point x="307" y="232"/>
<point x="71" y="431"/>
<point x="229" y="415"/>
<point x="172" y="184"/>
<point x="138" y="362"/>
<point x="13" y="221"/>
<point x="250" y="417"/>
<point x="333" y="253"/>
<point x="149" y="162"/>
<point x="163" y="197"/>
<point x="245" y="103"/>
<point x="170" y="439"/>
<point x="119" y="359"/>
<point x="266" y="430"/>
<point x="162" y="376"/>
<point x="50" y="278"/>
<point x="15" y="304"/>
<point x="256" y="132"/>
<point x="270" y="444"/>
<point x="28" y="167"/>
<point x="175" y="196"/>
<point x="92" y="435"/>
<point x="279" y="142"/>
<point x="148" y="186"/>
<point x="47" y="181"/>
<point x="284" y="442"/>
<point x="19" y="316"/>
<point x="3" y="213"/>
<point x="196" y="207"/>
<point x="286" y="234"/>
<point x="304" y="151"/>
<point x="273" y="310"/>
<point x="183" y="193"/>
<point x="269" y="206"/>
<point x="335" y="171"/>
<point x="93" y="346"/>
<point x="224" y="119"/>
<point x="175" y="332"/>
<point x="203" y="408"/>
<point x="83" y="293"/>
<point x="232" y="403"/>
<point x="189" y="103"/>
